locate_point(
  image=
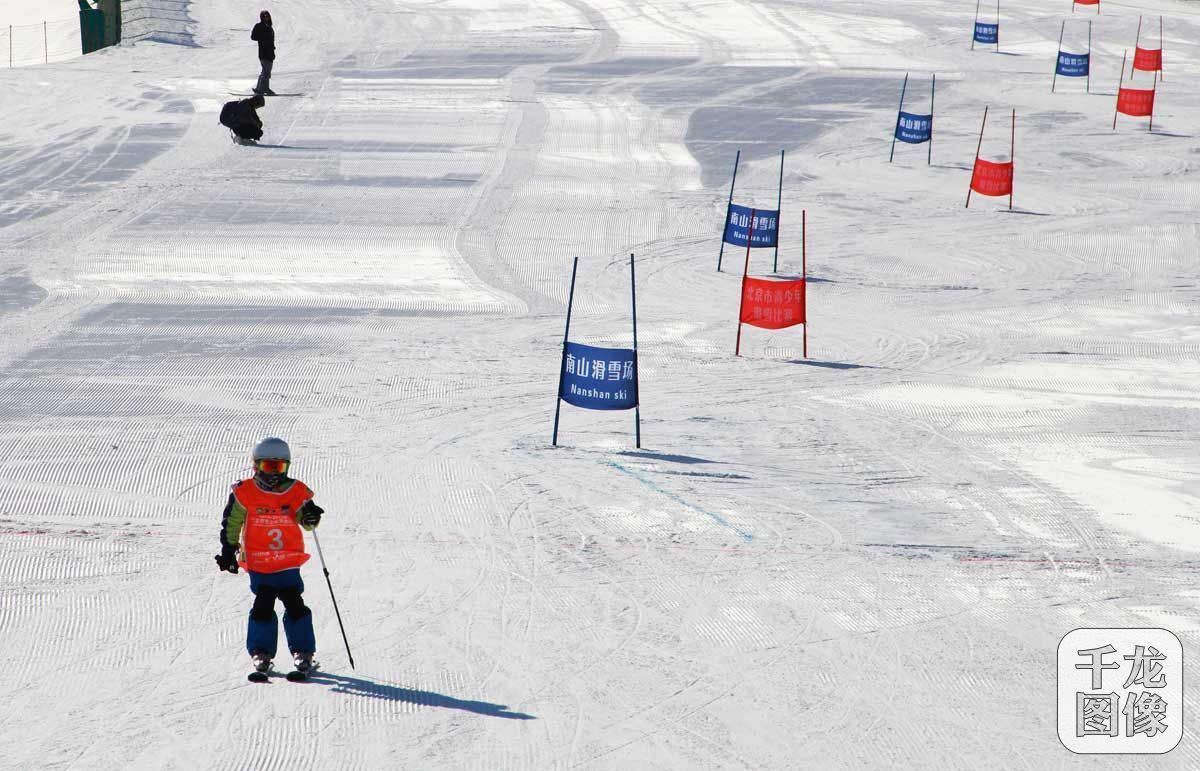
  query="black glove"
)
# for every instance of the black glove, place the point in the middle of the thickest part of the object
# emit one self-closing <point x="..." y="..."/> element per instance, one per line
<point x="227" y="559"/>
<point x="310" y="515"/>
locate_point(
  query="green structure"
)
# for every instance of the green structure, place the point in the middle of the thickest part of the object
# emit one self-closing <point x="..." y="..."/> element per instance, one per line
<point x="91" y="28"/>
<point x="112" y="20"/>
<point x="99" y="27"/>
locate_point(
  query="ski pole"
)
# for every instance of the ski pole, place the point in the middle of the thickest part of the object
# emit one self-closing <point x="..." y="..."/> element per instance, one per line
<point x="317" y="541"/>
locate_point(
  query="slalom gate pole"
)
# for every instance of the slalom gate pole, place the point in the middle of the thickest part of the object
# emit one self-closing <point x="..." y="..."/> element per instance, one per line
<point x="1160" y="53"/>
<point x="46" y="44"/>
<point x="932" y="89"/>
<point x="338" y="613"/>
<point x="977" y="2"/>
<point x="997" y="26"/>
<point x="562" y="364"/>
<point x="637" y="403"/>
<point x="1012" y="158"/>
<point x="728" y="207"/>
<point x="779" y="214"/>
<point x="804" y="271"/>
<point x="737" y="350"/>
<point x="804" y="242"/>
<point x="1089" y="77"/>
<point x="1137" y="41"/>
<point x="1154" y="89"/>
<point x="977" y="149"/>
<point x="1119" y="84"/>
<point x="896" y="127"/>
<point x="1061" y="30"/>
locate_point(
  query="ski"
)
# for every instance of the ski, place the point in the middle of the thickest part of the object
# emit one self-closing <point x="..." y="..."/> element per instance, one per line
<point x="296" y="676"/>
<point x="235" y="93"/>
<point x="257" y="677"/>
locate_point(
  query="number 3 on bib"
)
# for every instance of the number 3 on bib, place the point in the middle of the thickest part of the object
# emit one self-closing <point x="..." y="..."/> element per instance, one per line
<point x="276" y="536"/>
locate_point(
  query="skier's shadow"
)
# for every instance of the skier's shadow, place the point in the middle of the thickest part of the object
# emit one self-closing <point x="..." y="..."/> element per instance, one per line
<point x="357" y="686"/>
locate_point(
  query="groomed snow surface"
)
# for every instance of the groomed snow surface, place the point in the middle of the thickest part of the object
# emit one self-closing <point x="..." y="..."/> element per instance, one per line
<point x="865" y="559"/>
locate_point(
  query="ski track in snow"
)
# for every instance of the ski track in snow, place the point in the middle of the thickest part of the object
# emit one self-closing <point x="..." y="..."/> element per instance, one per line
<point x="862" y="560"/>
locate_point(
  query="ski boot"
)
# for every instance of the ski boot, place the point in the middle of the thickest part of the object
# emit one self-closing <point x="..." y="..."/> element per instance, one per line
<point x="304" y="664"/>
<point x="262" y="664"/>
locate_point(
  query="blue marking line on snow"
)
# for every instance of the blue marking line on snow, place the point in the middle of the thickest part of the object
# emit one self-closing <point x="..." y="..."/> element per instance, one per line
<point x="746" y="536"/>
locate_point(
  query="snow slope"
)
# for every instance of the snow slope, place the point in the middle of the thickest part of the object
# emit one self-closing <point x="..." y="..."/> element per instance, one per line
<point x="37" y="32"/>
<point x="865" y="559"/>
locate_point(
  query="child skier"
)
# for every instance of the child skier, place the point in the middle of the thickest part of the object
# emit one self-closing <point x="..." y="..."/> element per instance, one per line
<point x="260" y="530"/>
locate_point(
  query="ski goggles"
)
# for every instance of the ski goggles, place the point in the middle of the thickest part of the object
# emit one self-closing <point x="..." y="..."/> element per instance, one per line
<point x="272" y="465"/>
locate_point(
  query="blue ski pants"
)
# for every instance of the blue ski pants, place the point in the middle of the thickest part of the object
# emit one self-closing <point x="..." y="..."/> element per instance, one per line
<point x="262" y="633"/>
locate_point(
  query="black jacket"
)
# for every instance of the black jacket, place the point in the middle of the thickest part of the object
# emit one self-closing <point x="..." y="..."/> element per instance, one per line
<point x="242" y="118"/>
<point x="265" y="35"/>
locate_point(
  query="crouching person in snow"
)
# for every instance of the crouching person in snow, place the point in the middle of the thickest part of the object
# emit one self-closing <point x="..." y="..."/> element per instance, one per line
<point x="241" y="117"/>
<point x="260" y="530"/>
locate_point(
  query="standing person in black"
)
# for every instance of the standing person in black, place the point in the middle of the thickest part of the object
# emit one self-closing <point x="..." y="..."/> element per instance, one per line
<point x="264" y="33"/>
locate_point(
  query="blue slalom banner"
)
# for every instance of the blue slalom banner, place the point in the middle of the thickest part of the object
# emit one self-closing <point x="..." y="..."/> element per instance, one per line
<point x="765" y="226"/>
<point x="599" y="378"/>
<point x="1073" y="65"/>
<point x="914" y="129"/>
<point x="987" y="33"/>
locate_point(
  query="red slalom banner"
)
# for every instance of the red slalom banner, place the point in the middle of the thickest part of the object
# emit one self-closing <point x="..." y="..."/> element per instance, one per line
<point x="1085" y="2"/>
<point x="1135" y="102"/>
<point x="1147" y="59"/>
<point x="772" y="304"/>
<point x="993" y="177"/>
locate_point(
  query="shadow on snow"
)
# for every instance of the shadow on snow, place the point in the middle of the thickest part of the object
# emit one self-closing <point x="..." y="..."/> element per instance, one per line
<point x="663" y="456"/>
<point x="357" y="686"/>
<point x="830" y="364"/>
<point x="285" y="147"/>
